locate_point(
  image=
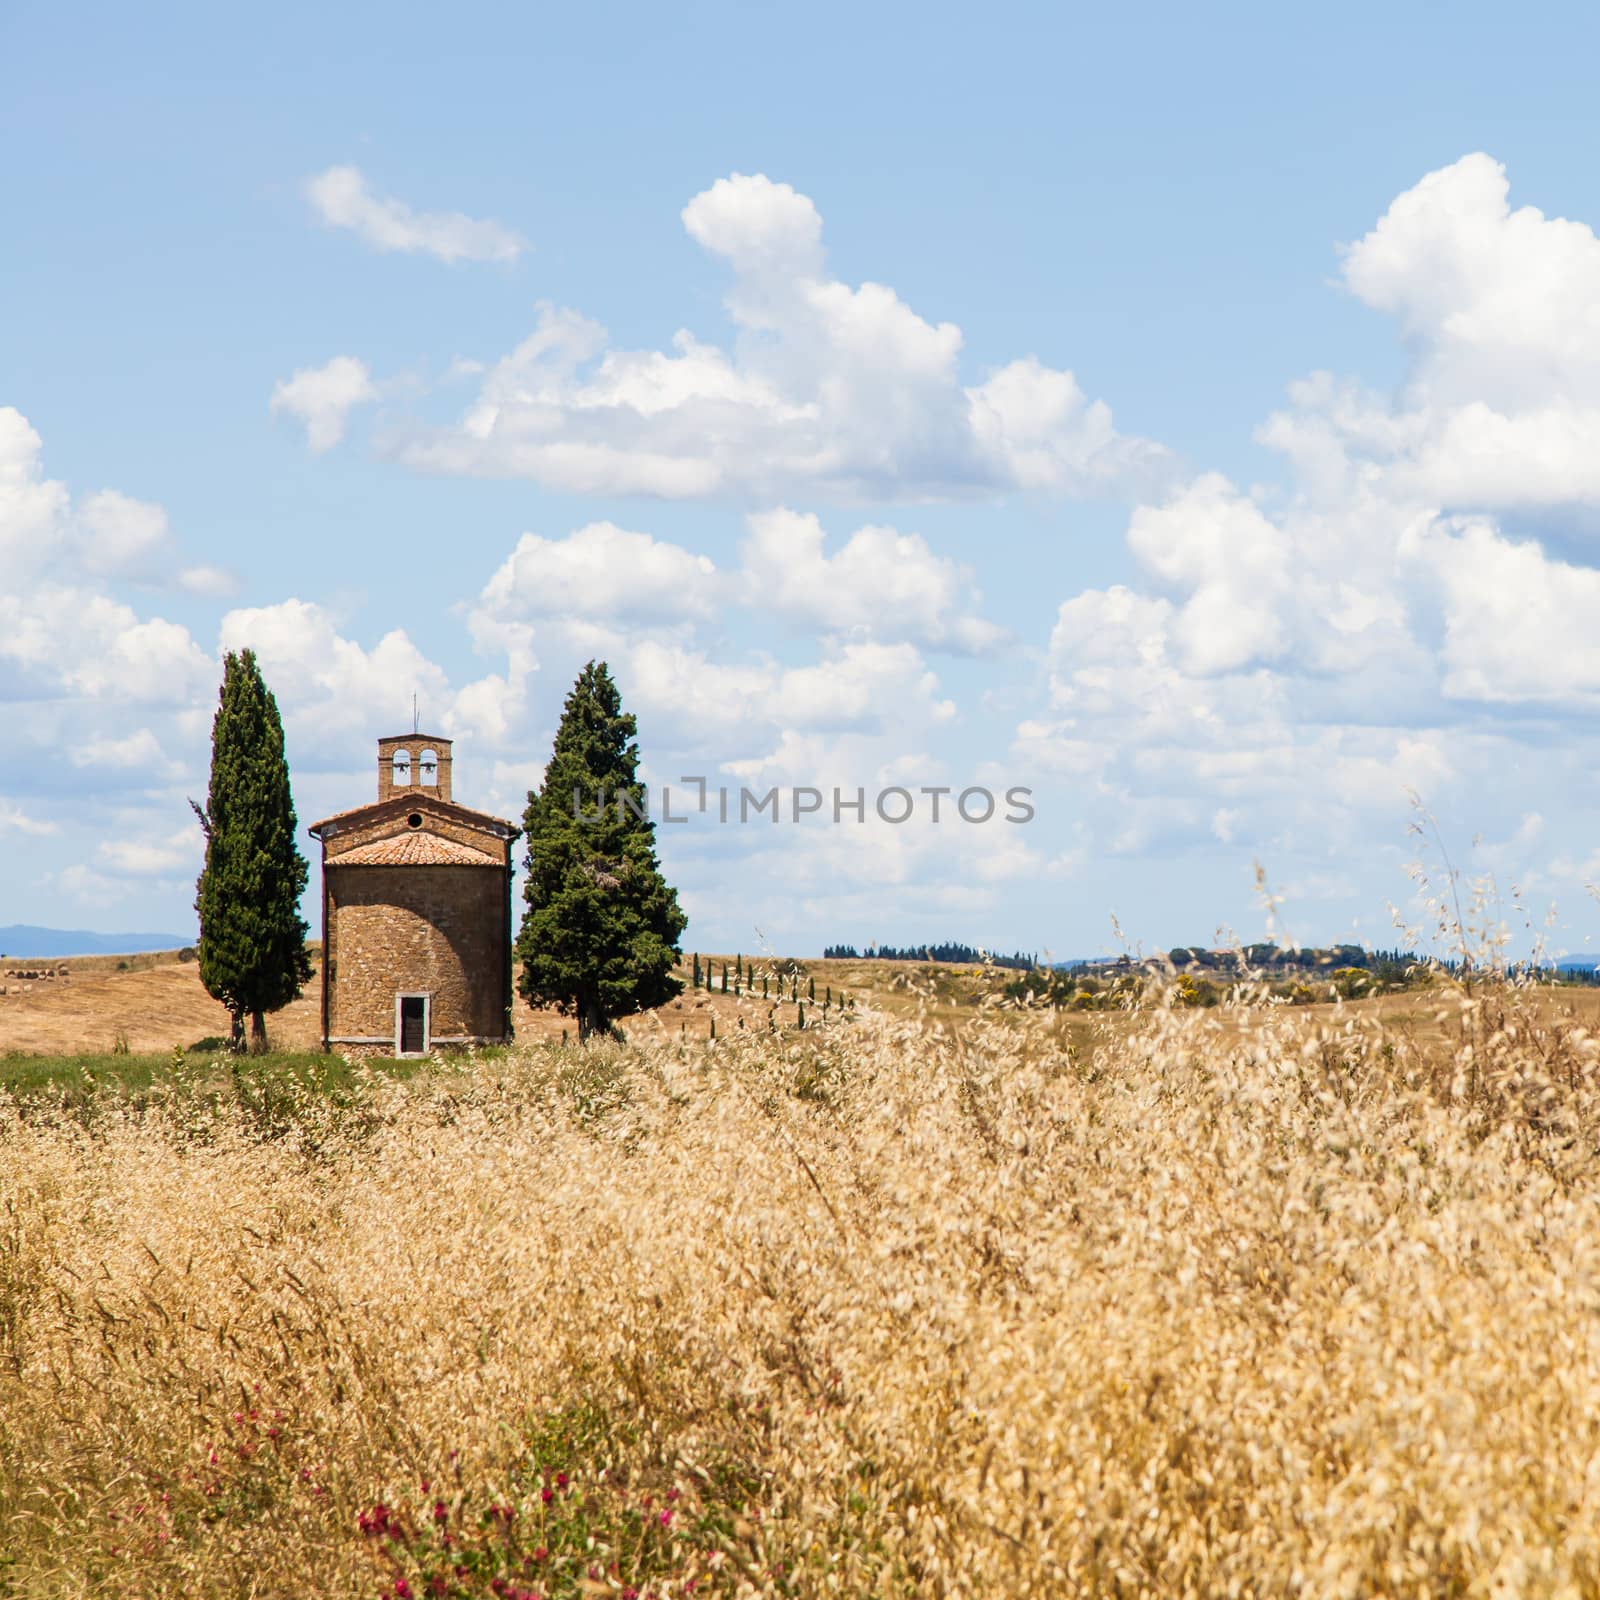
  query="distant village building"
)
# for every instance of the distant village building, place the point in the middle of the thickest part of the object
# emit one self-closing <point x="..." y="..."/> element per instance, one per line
<point x="416" y="913"/>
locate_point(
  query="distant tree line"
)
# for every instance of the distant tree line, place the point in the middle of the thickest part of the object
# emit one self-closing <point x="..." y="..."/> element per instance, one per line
<point x="1386" y="964"/>
<point x="1389" y="967"/>
<point x="1205" y="977"/>
<point x="1545" y="972"/>
<point x="928" y="952"/>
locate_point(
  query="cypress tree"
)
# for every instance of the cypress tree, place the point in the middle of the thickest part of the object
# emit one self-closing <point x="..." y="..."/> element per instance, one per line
<point x="599" y="935"/>
<point x="724" y="977"/>
<point x="252" y="937"/>
<point x="811" y="988"/>
<point x="802" y="1020"/>
<point x="697" y="970"/>
<point x="738" y="968"/>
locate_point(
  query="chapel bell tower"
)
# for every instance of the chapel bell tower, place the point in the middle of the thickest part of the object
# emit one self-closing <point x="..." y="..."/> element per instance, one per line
<point x="417" y="761"/>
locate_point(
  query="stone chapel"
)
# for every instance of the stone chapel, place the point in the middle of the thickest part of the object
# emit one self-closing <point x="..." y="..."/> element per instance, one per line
<point x="416" y="913"/>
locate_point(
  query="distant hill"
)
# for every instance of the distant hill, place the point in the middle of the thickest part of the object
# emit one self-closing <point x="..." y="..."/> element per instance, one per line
<point x="19" y="942"/>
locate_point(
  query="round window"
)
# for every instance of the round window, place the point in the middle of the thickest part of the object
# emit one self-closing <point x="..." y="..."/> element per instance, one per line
<point x="414" y="820"/>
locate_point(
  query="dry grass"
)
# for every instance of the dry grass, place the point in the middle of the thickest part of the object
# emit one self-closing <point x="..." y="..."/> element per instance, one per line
<point x="1253" y="1303"/>
<point x="155" y="1003"/>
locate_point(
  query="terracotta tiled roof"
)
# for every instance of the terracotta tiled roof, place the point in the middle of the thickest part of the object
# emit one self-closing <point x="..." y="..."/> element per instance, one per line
<point x="415" y="850"/>
<point x="416" y="800"/>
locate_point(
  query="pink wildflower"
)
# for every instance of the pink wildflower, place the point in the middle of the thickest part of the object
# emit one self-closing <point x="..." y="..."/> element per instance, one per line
<point x="375" y="1523"/>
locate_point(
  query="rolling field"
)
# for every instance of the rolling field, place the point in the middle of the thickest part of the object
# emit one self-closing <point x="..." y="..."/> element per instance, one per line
<point x="937" y="1300"/>
<point x="155" y="1002"/>
<point x="152" y="1006"/>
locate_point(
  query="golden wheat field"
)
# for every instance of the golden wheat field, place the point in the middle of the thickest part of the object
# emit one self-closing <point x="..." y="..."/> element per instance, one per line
<point x="1236" y="1302"/>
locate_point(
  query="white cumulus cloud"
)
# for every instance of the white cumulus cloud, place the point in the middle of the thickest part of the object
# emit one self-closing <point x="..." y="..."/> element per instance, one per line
<point x="323" y="397"/>
<point x="1292" y="661"/>
<point x="829" y="389"/>
<point x="601" y="570"/>
<point x="880" y="584"/>
<point x="1497" y="307"/>
<point x="178" y="852"/>
<point x="342" y="198"/>
<point x="337" y="694"/>
<point x="13" y="819"/>
<point x="139" y="751"/>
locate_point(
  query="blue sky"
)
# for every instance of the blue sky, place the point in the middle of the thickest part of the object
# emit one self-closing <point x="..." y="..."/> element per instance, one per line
<point x="892" y="394"/>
